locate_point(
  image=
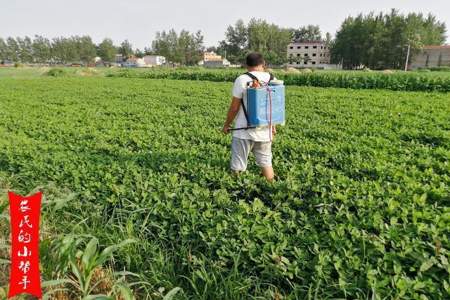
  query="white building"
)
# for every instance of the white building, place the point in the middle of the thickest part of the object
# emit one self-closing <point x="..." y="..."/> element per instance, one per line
<point x="154" y="60"/>
<point x="314" y="54"/>
<point x="140" y="63"/>
<point x="213" y="60"/>
<point x="147" y="61"/>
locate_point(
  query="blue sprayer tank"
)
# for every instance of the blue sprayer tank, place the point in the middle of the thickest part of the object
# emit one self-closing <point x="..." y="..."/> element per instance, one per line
<point x="258" y="105"/>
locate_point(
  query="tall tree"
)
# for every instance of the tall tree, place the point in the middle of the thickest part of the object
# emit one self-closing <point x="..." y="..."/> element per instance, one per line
<point x="269" y="39"/>
<point x="87" y="49"/>
<point x="126" y="49"/>
<point x="41" y="49"/>
<point x="59" y="51"/>
<point x="25" y="49"/>
<point x="308" y="33"/>
<point x="3" y="50"/>
<point x="381" y="41"/>
<point x="107" y="51"/>
<point x="235" y="45"/>
<point x="328" y="38"/>
<point x="66" y="50"/>
<point x="192" y="46"/>
<point x="166" y="44"/>
<point x="184" y="48"/>
<point x="12" y="50"/>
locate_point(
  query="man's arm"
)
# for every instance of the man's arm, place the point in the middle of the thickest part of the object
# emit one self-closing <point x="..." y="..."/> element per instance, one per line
<point x="232" y="112"/>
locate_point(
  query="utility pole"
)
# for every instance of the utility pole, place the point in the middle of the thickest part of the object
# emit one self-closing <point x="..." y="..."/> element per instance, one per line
<point x="407" y="57"/>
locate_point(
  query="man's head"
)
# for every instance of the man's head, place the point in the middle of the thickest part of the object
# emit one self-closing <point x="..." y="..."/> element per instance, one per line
<point x="255" y="61"/>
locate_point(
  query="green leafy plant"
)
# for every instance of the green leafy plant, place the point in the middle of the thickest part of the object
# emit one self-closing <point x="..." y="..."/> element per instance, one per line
<point x="360" y="209"/>
<point x="86" y="269"/>
<point x="56" y="72"/>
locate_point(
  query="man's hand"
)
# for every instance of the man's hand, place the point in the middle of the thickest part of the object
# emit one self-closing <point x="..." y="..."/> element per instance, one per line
<point x="226" y="129"/>
<point x="274" y="130"/>
<point x="232" y="112"/>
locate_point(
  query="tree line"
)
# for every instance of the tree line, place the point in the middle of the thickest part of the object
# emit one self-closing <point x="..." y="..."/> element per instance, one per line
<point x="182" y="47"/>
<point x="377" y="41"/>
<point x="381" y="41"/>
<point x="58" y="50"/>
<point x="185" y="48"/>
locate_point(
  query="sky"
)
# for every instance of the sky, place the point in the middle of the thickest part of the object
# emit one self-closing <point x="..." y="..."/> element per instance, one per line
<point x="139" y="20"/>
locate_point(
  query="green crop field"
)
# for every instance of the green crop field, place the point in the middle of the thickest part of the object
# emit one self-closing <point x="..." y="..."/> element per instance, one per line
<point x="390" y="80"/>
<point x="360" y="208"/>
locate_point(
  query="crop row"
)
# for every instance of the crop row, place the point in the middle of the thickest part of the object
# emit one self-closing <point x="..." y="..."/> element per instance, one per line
<point x="397" y="81"/>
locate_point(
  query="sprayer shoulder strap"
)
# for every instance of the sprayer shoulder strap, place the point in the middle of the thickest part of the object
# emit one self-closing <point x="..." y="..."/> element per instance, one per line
<point x="253" y="77"/>
<point x="245" y="111"/>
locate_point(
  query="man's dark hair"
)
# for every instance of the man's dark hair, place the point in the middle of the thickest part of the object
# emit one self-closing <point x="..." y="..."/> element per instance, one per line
<point x="254" y="59"/>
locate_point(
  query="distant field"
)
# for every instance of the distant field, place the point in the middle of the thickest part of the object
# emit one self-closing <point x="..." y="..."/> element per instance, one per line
<point x="36" y="71"/>
<point x="360" y="210"/>
<point x="30" y="72"/>
<point x="397" y="81"/>
<point x="390" y="80"/>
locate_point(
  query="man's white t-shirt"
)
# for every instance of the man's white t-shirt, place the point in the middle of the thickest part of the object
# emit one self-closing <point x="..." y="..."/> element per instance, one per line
<point x="260" y="134"/>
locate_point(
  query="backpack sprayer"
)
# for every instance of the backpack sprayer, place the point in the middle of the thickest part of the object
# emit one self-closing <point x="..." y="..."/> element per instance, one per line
<point x="265" y="104"/>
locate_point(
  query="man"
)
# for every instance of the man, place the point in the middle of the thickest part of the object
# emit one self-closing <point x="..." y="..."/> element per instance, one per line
<point x="256" y="140"/>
